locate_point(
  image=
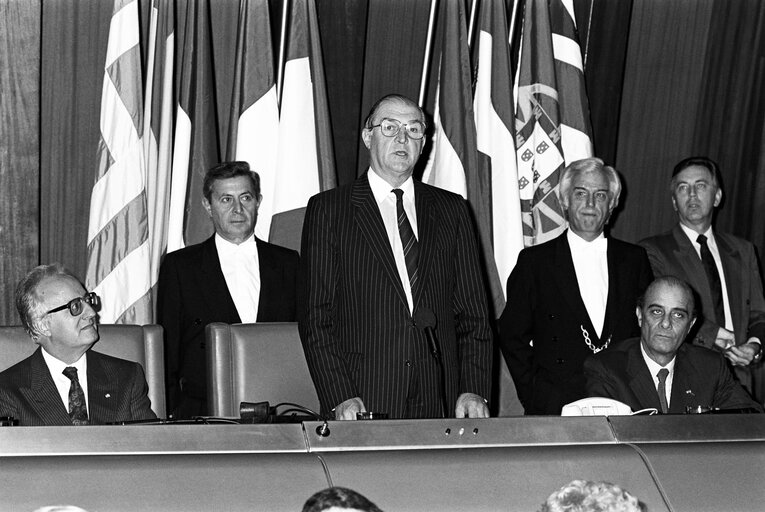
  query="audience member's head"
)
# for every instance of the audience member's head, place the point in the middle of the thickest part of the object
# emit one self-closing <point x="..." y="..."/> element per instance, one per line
<point x="587" y="496"/>
<point x="339" y="498"/>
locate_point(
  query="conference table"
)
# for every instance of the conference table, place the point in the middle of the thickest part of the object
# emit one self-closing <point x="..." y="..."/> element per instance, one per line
<point x="688" y="462"/>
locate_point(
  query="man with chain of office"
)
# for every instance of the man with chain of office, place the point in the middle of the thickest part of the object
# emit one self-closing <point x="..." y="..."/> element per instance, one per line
<point x="572" y="296"/>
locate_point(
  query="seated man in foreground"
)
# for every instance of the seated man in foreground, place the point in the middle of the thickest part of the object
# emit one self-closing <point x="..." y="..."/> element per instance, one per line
<point x="658" y="370"/>
<point x="64" y="382"/>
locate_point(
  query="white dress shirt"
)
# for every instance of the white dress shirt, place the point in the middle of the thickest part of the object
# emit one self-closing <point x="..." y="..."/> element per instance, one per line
<point x="62" y="382"/>
<point x="591" y="266"/>
<point x="241" y="269"/>
<point x="654" y="367"/>
<point x="386" y="202"/>
<point x="712" y="244"/>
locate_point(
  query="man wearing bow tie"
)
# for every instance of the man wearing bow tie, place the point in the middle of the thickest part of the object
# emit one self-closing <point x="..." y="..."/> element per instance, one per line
<point x="232" y="277"/>
<point x="721" y="268"/>
<point x="64" y="382"/>
<point x="658" y="370"/>
<point x="572" y="296"/>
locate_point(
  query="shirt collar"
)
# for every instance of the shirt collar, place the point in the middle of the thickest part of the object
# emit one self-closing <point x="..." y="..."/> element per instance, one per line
<point x="381" y="189"/>
<point x="56" y="366"/>
<point x="579" y="244"/>
<point x="228" y="248"/>
<point x="693" y="235"/>
<point x="653" y="366"/>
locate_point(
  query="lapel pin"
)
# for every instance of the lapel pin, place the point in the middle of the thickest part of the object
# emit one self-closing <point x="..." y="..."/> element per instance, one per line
<point x="108" y="395"/>
<point x="689" y="392"/>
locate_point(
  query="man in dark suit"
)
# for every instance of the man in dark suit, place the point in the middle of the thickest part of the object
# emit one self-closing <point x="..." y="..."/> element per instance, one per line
<point x="64" y="382"/>
<point x="659" y="371"/>
<point x="571" y="296"/>
<point x="388" y="262"/>
<point x="232" y="277"/>
<point x="723" y="271"/>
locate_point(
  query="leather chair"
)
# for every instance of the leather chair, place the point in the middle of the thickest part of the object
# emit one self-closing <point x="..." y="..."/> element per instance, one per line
<point x="256" y="363"/>
<point x="142" y="344"/>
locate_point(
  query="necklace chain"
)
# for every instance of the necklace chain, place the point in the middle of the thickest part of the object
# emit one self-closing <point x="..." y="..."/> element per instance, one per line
<point x="588" y="341"/>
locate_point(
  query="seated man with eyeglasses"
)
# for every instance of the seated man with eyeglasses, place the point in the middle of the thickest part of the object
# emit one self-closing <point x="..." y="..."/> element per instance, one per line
<point x="65" y="383"/>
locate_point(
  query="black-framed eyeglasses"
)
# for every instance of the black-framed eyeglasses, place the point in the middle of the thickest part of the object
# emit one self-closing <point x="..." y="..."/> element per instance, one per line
<point x="390" y="128"/>
<point x="75" y="305"/>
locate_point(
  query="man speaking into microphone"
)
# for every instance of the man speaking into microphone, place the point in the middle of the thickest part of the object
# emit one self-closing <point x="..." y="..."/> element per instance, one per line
<point x="390" y="271"/>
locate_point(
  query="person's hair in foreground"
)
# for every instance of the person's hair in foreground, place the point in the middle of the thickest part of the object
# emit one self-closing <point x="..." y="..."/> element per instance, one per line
<point x="588" y="496"/>
<point x="339" y="497"/>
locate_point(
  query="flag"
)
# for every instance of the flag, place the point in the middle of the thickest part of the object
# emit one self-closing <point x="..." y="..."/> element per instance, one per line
<point x="552" y="117"/>
<point x="158" y="126"/>
<point x="254" y="121"/>
<point x="494" y="119"/>
<point x="118" y="246"/>
<point x="305" y="161"/>
<point x="196" y="147"/>
<point x="453" y="162"/>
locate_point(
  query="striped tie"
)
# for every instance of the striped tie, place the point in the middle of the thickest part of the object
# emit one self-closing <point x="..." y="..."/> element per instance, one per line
<point x="408" y="240"/>
<point x="77" y="409"/>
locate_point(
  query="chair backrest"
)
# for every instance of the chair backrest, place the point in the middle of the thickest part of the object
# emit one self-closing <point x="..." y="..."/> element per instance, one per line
<point x="256" y="363"/>
<point x="142" y="344"/>
<point x="287" y="228"/>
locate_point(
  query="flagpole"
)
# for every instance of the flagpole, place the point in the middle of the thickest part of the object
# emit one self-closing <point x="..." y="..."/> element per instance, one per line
<point x="426" y="59"/>
<point x="511" y="32"/>
<point x="471" y="26"/>
<point x="282" y="43"/>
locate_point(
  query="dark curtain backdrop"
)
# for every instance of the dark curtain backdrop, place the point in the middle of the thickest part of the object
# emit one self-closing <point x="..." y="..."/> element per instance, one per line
<point x="665" y="79"/>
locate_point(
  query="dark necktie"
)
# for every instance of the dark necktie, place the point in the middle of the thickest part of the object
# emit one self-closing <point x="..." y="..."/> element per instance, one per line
<point x="662" y="389"/>
<point x="77" y="408"/>
<point x="713" y="276"/>
<point x="408" y="240"/>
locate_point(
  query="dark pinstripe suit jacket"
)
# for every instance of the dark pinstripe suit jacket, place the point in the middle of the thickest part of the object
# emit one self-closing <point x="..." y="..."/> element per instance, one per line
<point x="192" y="293"/>
<point x="355" y="325"/>
<point x="544" y="306"/>
<point x="117" y="391"/>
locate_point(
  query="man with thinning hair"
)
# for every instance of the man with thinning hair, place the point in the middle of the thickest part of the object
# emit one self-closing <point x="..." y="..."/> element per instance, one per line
<point x="658" y="370"/>
<point x="65" y="382"/>
<point x="393" y="311"/>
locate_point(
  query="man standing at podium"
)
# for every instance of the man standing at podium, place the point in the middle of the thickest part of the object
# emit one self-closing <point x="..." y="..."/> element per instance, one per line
<point x="64" y="382"/>
<point x="392" y="310"/>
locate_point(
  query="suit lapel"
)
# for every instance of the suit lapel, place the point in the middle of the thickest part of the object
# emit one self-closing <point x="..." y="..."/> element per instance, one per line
<point x="682" y="391"/>
<point x="426" y="231"/>
<point x="215" y="284"/>
<point x="615" y="287"/>
<point x="102" y="391"/>
<point x="269" y="290"/>
<point x="42" y="394"/>
<point x="732" y="268"/>
<point x="689" y="260"/>
<point x="640" y="379"/>
<point x="367" y="217"/>
<point x="565" y="277"/>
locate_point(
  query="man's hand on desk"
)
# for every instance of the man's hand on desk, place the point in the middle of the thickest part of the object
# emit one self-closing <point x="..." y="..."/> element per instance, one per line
<point x="470" y="405"/>
<point x="348" y="409"/>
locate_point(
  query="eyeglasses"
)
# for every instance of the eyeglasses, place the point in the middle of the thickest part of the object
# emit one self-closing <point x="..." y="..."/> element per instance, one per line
<point x="391" y="128"/>
<point x="75" y="305"/>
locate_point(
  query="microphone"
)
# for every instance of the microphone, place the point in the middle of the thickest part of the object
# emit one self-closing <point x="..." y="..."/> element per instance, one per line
<point x="425" y="319"/>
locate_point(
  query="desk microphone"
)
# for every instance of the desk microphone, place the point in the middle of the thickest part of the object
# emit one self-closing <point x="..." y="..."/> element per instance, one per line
<point x="425" y="319"/>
